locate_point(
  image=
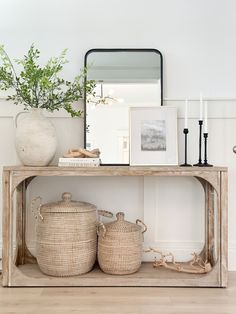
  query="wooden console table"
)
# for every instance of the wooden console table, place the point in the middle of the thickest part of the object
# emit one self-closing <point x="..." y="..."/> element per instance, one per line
<point x="20" y="268"/>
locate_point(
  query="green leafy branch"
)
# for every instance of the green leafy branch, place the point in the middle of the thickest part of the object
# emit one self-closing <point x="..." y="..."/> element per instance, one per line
<point x="42" y="87"/>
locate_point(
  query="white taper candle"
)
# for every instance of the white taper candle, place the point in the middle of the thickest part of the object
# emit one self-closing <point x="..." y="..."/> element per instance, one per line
<point x="201" y="107"/>
<point x="186" y="114"/>
<point x="205" y="117"/>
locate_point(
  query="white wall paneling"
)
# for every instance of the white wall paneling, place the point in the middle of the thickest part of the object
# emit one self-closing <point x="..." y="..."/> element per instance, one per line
<point x="197" y="39"/>
<point x="167" y="203"/>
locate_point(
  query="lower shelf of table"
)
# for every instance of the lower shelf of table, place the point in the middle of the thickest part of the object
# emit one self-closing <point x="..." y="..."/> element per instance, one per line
<point x="30" y="275"/>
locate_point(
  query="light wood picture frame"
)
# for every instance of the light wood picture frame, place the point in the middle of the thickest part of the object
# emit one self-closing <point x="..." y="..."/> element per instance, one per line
<point x="153" y="136"/>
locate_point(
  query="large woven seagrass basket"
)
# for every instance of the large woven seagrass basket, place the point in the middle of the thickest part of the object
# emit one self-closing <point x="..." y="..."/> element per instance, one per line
<point x="120" y="246"/>
<point x="66" y="237"/>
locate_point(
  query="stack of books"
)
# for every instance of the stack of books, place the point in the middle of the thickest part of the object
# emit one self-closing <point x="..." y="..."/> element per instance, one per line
<point x="79" y="162"/>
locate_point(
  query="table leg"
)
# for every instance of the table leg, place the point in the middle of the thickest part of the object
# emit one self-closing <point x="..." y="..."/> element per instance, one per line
<point x="7" y="229"/>
<point x="210" y="223"/>
<point x="224" y="229"/>
<point x="23" y="254"/>
<point x="20" y="224"/>
<point x="208" y="252"/>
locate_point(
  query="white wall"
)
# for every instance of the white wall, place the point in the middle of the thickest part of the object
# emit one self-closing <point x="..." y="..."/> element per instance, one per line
<point x="197" y="40"/>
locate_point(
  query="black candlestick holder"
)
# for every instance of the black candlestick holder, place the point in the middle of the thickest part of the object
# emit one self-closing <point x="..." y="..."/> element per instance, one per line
<point x="205" y="135"/>
<point x="185" y="131"/>
<point x="200" y="163"/>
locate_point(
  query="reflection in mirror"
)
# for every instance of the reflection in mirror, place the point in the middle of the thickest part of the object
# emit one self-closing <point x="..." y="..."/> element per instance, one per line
<point x="124" y="78"/>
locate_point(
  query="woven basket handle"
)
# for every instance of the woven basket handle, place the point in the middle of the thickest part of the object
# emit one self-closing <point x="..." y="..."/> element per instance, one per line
<point x="105" y="213"/>
<point x="143" y="225"/>
<point x="38" y="213"/>
<point x="101" y="225"/>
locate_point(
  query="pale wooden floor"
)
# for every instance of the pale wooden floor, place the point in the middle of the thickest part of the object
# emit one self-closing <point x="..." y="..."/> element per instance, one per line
<point x="119" y="300"/>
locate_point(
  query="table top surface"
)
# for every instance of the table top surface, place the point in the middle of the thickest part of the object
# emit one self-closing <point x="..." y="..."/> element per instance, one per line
<point x="114" y="169"/>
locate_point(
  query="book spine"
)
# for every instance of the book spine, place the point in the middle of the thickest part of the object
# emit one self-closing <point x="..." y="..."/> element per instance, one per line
<point x="79" y="160"/>
<point x="77" y="164"/>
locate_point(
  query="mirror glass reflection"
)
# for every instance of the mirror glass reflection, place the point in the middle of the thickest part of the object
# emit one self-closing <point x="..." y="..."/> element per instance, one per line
<point x="124" y="78"/>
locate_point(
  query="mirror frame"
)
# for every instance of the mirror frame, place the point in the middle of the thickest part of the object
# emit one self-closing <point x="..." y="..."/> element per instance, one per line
<point x="119" y="50"/>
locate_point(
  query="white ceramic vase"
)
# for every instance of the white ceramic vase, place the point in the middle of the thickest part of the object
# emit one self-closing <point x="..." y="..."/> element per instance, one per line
<point x="35" y="138"/>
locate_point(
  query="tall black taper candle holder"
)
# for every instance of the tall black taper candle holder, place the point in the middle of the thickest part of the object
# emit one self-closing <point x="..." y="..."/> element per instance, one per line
<point x="185" y="131"/>
<point x="205" y="135"/>
<point x="200" y="163"/>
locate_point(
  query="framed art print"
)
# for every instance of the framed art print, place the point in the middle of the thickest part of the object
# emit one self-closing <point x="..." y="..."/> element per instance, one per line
<point x="153" y="136"/>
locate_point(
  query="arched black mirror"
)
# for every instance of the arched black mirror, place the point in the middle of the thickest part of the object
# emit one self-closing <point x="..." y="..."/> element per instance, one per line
<point x="124" y="78"/>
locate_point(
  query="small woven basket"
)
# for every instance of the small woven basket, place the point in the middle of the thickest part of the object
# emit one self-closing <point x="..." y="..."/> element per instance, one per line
<point x="66" y="237"/>
<point x="120" y="246"/>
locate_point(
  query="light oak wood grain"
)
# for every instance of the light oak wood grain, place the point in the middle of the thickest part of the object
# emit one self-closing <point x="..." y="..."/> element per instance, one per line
<point x="224" y="229"/>
<point x="116" y="168"/>
<point x="122" y="300"/>
<point x="30" y="275"/>
<point x="7" y="228"/>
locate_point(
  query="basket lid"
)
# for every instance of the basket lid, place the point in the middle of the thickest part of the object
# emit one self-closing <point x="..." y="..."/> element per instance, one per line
<point x="121" y="225"/>
<point x="67" y="205"/>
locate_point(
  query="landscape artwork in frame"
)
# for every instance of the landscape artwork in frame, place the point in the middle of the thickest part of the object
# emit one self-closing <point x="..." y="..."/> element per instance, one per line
<point x="153" y="136"/>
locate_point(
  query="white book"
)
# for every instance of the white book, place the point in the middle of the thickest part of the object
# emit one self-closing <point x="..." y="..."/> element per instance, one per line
<point x="83" y="160"/>
<point x="77" y="165"/>
<point x="79" y="162"/>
